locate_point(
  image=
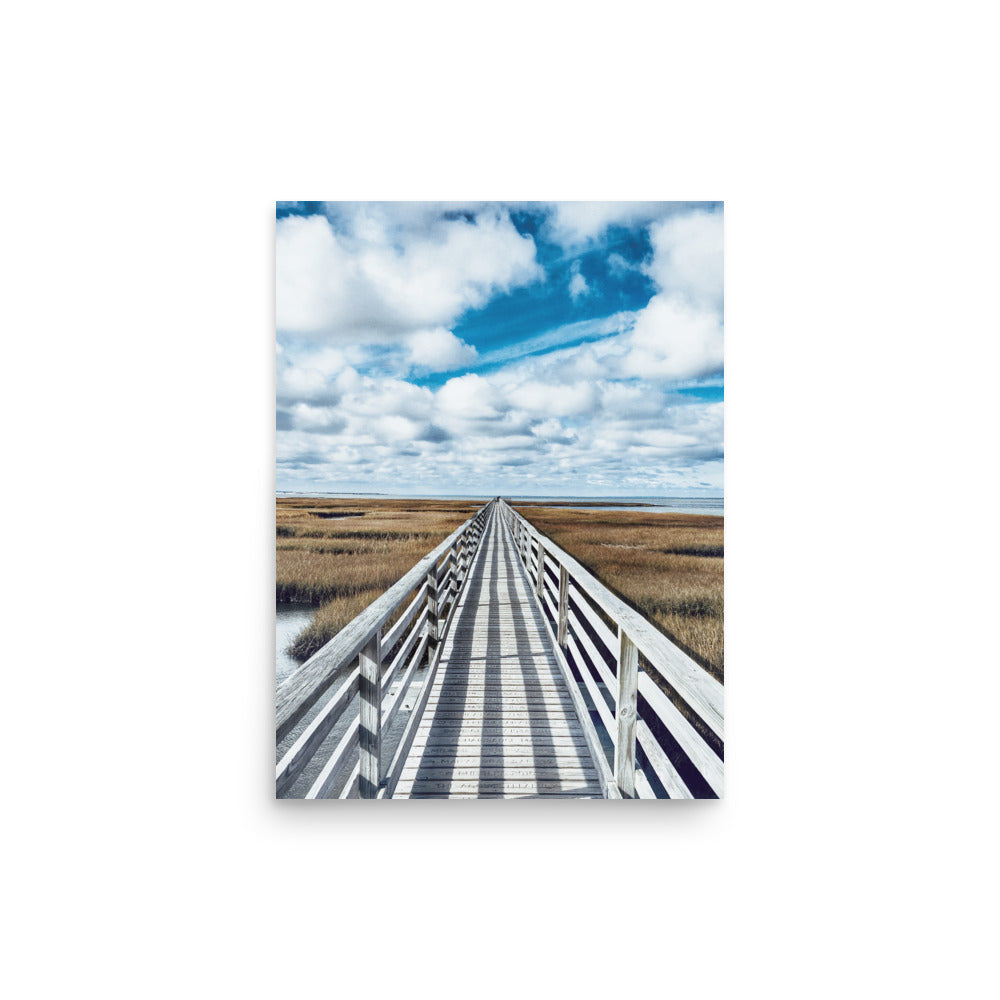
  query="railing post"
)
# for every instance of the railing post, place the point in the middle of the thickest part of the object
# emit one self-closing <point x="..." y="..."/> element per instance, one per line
<point x="625" y="711"/>
<point x="370" y="735"/>
<point x="540" y="582"/>
<point x="432" y="612"/>
<point x="563" y="604"/>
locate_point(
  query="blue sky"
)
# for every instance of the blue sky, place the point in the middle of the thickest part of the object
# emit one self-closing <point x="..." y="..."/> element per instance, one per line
<point x="567" y="348"/>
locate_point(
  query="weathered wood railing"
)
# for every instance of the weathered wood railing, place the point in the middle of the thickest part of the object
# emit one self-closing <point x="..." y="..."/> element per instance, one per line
<point x="645" y="744"/>
<point x="426" y="596"/>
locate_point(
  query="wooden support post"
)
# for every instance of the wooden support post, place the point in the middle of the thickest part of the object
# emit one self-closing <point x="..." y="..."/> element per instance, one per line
<point x="370" y="730"/>
<point x="563" y="604"/>
<point x="540" y="583"/>
<point x="432" y="609"/>
<point x="625" y="712"/>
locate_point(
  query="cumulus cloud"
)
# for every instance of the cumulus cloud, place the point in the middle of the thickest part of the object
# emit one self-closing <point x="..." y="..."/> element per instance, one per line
<point x="470" y="397"/>
<point x="679" y="334"/>
<point x="561" y="400"/>
<point x="577" y="223"/>
<point x="671" y="340"/>
<point x="542" y="412"/>
<point x="438" y="350"/>
<point x="373" y="282"/>
<point x="687" y="257"/>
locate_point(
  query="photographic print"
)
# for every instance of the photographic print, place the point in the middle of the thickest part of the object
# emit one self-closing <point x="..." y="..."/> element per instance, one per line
<point x="499" y="500"/>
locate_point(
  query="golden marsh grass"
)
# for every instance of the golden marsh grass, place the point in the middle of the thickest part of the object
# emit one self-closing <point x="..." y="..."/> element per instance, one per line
<point x="342" y="554"/>
<point x="668" y="566"/>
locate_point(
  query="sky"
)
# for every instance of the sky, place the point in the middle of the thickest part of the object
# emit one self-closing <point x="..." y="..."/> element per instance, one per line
<point x="500" y="348"/>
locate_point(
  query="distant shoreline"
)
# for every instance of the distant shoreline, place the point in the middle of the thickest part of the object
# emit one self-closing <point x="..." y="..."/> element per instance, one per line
<point x="711" y="505"/>
<point x="579" y="503"/>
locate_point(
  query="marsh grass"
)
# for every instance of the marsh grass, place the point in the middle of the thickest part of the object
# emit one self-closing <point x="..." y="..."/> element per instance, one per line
<point x="341" y="555"/>
<point x="668" y="566"/>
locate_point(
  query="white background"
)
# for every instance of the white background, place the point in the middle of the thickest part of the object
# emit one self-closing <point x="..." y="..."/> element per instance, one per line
<point x="854" y="853"/>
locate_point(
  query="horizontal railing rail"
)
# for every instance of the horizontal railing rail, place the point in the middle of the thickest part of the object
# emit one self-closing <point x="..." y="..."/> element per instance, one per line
<point x="381" y="650"/>
<point x="649" y="745"/>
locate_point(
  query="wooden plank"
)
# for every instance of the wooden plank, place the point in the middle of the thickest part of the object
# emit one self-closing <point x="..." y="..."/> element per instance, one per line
<point x="485" y="727"/>
<point x="662" y="767"/>
<point x="495" y="717"/>
<point x="504" y="741"/>
<point x="327" y="779"/>
<point x="452" y="796"/>
<point x="643" y="789"/>
<point x="593" y="656"/>
<point x="526" y="787"/>
<point x="299" y="754"/>
<point x="415" y="633"/>
<point x="542" y="699"/>
<point x="445" y="568"/>
<point x="350" y="788"/>
<point x="594" y="691"/>
<point x="486" y="743"/>
<point x="449" y="772"/>
<point x="514" y="685"/>
<point x="625" y="712"/>
<point x="503" y="757"/>
<point x="404" y="684"/>
<point x="604" y="634"/>
<point x="533" y="675"/>
<point x="392" y="636"/>
<point x="535" y="707"/>
<point x="709" y="766"/>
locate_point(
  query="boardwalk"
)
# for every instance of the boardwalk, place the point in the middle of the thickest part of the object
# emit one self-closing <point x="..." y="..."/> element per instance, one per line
<point x="498" y="666"/>
<point x="499" y="720"/>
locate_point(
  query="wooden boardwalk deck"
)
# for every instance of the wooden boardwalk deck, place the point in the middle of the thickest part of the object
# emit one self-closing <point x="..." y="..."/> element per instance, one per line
<point x="499" y="721"/>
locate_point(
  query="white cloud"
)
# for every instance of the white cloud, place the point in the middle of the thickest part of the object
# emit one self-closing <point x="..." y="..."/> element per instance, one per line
<point x="672" y="340"/>
<point x="470" y="397"/>
<point x="576" y="223"/>
<point x="375" y="282"/>
<point x="559" y="400"/>
<point x="688" y="257"/>
<point x="318" y="419"/>
<point x="599" y="417"/>
<point x="438" y="350"/>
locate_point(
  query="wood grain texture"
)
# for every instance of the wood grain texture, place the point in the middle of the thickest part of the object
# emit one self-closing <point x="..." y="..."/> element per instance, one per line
<point x="370" y="745"/>
<point x="625" y="709"/>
